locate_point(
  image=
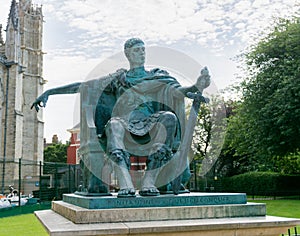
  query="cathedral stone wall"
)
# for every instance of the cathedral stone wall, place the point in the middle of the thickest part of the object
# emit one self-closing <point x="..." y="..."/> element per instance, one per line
<point x="21" y="128"/>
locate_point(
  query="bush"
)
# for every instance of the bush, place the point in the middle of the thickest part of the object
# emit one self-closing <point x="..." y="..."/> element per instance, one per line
<point x="263" y="183"/>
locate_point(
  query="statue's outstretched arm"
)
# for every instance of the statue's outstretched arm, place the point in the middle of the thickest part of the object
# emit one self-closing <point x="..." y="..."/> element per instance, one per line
<point x="43" y="98"/>
<point x="203" y="82"/>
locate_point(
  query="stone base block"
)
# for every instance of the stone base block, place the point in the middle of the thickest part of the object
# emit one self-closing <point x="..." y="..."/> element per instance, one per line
<point x="57" y="225"/>
<point x="80" y="215"/>
<point x="201" y="214"/>
<point x="168" y="200"/>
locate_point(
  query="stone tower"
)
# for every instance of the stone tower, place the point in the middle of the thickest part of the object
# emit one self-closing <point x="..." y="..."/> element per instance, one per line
<point x="22" y="82"/>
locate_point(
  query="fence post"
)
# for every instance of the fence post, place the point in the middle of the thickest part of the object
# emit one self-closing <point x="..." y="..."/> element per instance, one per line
<point x="20" y="173"/>
<point x="75" y="177"/>
<point x="56" y="180"/>
<point x="69" y="167"/>
<point x="195" y="175"/>
<point x="40" y="182"/>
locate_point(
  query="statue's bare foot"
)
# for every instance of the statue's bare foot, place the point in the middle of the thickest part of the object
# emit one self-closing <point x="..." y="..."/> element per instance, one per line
<point x="149" y="191"/>
<point x="126" y="192"/>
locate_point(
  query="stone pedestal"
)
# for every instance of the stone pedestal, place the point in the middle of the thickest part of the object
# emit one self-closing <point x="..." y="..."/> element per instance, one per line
<point x="79" y="215"/>
<point x="187" y="214"/>
<point x="167" y="200"/>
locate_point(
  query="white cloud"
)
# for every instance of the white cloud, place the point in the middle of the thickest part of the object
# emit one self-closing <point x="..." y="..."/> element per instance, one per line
<point x="165" y="20"/>
<point x="171" y="20"/>
<point x="260" y="3"/>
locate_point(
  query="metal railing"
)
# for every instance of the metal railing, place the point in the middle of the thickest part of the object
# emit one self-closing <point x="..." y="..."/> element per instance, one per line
<point x="43" y="181"/>
<point x="290" y="233"/>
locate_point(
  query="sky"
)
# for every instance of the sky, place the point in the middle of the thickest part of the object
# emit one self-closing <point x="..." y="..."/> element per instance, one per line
<point x="80" y="34"/>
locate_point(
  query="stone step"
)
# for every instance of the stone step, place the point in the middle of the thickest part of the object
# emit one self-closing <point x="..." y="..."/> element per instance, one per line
<point x="57" y="225"/>
<point x="80" y="215"/>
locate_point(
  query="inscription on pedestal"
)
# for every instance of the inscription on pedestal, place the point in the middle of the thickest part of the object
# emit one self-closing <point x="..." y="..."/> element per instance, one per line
<point x="192" y="199"/>
<point x="180" y="201"/>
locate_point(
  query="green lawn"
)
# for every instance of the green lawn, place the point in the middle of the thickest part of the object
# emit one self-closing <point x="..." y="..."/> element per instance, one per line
<point x="283" y="208"/>
<point x="22" y="221"/>
<point x="27" y="224"/>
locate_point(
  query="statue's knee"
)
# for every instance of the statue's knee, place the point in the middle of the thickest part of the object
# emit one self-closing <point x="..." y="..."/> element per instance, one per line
<point x="169" y="118"/>
<point x="113" y="125"/>
<point x="159" y="156"/>
<point x="170" y="115"/>
<point x="121" y="158"/>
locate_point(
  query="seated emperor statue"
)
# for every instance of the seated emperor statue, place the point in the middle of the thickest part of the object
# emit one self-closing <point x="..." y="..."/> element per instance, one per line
<point x="139" y="113"/>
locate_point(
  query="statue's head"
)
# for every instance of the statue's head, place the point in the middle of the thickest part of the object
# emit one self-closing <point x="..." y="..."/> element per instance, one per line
<point x="131" y="42"/>
<point x="134" y="50"/>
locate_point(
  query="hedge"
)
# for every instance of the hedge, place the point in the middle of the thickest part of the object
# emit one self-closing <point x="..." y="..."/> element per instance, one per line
<point x="263" y="183"/>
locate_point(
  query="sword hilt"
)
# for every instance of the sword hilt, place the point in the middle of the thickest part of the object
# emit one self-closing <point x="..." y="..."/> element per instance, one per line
<point x="198" y="97"/>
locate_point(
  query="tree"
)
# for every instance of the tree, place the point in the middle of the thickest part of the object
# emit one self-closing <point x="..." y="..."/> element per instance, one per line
<point x="208" y="136"/>
<point x="266" y="123"/>
<point x="56" y="152"/>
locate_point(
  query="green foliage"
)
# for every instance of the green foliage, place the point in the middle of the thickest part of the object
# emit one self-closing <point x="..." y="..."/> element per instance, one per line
<point x="202" y="132"/>
<point x="56" y="152"/>
<point x="228" y="163"/>
<point x="288" y="164"/>
<point x="263" y="184"/>
<point x="267" y="120"/>
<point x="209" y="135"/>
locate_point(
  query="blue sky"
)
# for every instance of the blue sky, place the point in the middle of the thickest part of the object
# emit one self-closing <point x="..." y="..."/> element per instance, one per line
<point x="79" y="34"/>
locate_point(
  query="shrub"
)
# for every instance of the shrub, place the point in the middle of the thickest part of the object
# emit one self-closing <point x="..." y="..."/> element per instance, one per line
<point x="263" y="183"/>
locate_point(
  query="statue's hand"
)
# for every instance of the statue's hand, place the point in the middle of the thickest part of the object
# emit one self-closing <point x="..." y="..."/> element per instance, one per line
<point x="203" y="80"/>
<point x="40" y="102"/>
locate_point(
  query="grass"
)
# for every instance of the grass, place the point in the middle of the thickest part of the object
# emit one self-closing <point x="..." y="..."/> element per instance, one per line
<point x="22" y="221"/>
<point x="283" y="208"/>
<point x="26" y="224"/>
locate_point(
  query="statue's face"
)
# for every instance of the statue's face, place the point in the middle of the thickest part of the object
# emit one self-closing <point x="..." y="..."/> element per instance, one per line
<point x="136" y="54"/>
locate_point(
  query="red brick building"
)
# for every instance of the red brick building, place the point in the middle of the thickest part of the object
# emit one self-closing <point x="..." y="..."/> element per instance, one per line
<point x="72" y="155"/>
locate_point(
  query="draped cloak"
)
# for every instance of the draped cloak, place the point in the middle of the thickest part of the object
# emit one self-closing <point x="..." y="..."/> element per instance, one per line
<point x="137" y="102"/>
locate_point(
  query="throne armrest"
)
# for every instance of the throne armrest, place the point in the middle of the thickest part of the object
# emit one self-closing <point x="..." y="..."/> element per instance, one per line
<point x="89" y="143"/>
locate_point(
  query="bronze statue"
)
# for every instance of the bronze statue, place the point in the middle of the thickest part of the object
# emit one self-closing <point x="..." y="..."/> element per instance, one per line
<point x="139" y="113"/>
